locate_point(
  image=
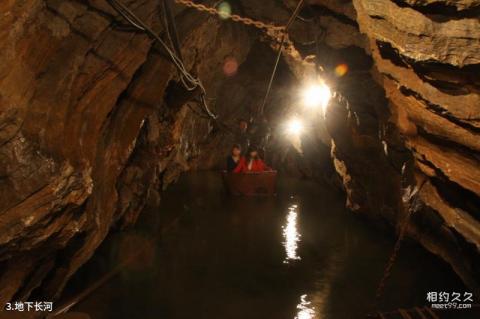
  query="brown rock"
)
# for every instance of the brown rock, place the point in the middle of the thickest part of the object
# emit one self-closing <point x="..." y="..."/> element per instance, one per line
<point x="459" y="168"/>
<point x="416" y="36"/>
<point x="431" y="122"/>
<point x="454" y="217"/>
<point x="459" y="4"/>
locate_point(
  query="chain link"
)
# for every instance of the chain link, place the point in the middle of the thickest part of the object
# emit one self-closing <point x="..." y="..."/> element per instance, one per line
<point x="271" y="29"/>
<point x="278" y="34"/>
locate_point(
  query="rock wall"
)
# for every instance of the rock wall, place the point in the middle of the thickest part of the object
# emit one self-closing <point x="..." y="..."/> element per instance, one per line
<point x="425" y="134"/>
<point x="428" y="60"/>
<point x="86" y="137"/>
<point x="405" y="119"/>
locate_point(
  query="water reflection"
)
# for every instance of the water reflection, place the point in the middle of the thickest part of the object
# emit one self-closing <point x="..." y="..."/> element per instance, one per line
<point x="305" y="309"/>
<point x="224" y="246"/>
<point x="291" y="234"/>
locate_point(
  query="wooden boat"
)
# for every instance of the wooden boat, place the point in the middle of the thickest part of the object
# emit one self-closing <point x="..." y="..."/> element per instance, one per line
<point x="250" y="184"/>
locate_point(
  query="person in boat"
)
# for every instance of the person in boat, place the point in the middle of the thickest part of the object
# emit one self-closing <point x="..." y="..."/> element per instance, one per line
<point x="260" y="134"/>
<point x="241" y="134"/>
<point x="234" y="158"/>
<point x="251" y="163"/>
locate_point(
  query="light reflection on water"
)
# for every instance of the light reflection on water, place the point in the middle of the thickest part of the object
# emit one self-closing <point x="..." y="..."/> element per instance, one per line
<point x="291" y="234"/>
<point x="305" y="309"/>
<point x="224" y="246"/>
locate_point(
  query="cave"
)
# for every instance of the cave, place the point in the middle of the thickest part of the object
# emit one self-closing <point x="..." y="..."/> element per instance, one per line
<point x="356" y="193"/>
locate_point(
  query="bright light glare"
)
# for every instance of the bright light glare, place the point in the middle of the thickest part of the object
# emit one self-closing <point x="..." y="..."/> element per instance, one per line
<point x="295" y="126"/>
<point x="291" y="235"/>
<point x="317" y="95"/>
<point x="305" y="309"/>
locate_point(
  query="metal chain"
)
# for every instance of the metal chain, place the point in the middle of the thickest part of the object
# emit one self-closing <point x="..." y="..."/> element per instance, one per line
<point x="277" y="33"/>
<point x="269" y="27"/>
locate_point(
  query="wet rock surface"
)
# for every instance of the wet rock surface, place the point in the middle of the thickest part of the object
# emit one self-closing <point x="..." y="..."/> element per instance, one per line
<point x="86" y="138"/>
<point x="432" y="112"/>
<point x="94" y="123"/>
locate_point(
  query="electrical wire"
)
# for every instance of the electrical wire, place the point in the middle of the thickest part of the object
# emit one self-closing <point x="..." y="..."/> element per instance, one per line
<point x="189" y="81"/>
<point x="279" y="53"/>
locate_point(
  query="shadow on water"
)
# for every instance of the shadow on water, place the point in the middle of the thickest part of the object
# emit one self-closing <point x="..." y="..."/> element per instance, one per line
<point x="300" y="255"/>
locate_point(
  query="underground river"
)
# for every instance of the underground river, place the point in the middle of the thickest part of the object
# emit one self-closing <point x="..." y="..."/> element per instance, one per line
<point x="301" y="254"/>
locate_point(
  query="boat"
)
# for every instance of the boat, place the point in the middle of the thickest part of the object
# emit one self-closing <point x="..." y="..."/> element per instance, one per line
<point x="250" y="184"/>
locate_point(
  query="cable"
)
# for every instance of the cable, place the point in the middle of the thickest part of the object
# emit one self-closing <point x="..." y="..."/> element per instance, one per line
<point x="294" y="15"/>
<point x="272" y="77"/>
<point x="169" y="21"/>
<point x="279" y="53"/>
<point x="189" y="81"/>
<point x="135" y="21"/>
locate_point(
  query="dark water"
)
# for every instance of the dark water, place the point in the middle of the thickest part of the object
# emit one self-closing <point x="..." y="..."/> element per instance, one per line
<point x="300" y="254"/>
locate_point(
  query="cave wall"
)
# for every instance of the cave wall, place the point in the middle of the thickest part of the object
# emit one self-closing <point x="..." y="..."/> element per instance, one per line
<point x="86" y="137"/>
<point x="424" y="134"/>
<point x="405" y="117"/>
<point x="427" y="54"/>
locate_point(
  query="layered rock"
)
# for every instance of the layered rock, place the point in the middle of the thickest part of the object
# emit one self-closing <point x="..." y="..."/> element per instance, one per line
<point x="426" y="62"/>
<point x="80" y="93"/>
<point x="421" y="37"/>
<point x="425" y="134"/>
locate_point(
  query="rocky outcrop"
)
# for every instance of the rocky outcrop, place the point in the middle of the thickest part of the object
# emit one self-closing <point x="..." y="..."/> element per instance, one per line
<point x="64" y="94"/>
<point x="418" y="36"/>
<point x="412" y="114"/>
<point x="422" y="62"/>
<point x="458" y="4"/>
<point x="85" y="137"/>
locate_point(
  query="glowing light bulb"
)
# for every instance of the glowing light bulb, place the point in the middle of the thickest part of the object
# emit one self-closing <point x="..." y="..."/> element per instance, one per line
<point x="295" y="126"/>
<point x="317" y="95"/>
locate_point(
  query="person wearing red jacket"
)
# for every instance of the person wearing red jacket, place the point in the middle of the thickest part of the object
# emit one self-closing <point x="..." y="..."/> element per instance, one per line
<point x="251" y="163"/>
